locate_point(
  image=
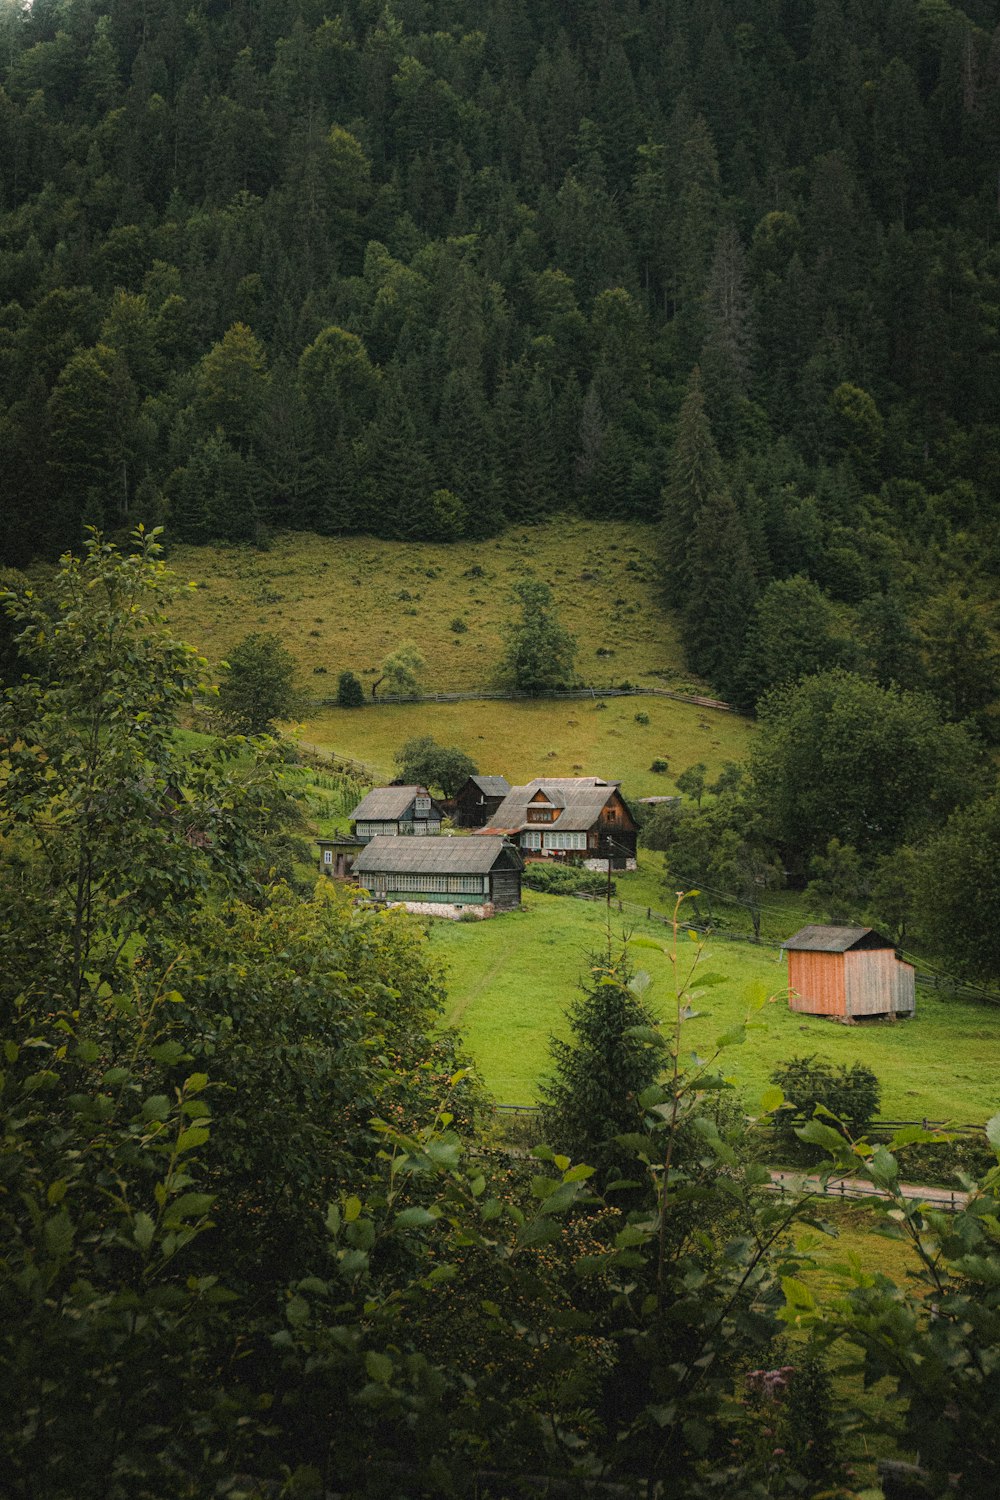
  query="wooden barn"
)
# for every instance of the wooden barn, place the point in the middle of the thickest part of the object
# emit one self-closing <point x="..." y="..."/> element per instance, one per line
<point x="848" y="973"/>
<point x="444" y="876"/>
<point x="476" y="802"/>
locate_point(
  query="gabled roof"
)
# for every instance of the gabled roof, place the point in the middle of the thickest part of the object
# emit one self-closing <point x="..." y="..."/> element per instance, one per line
<point x="819" y="939"/>
<point x="492" y="786"/>
<point x="581" y="799"/>
<point x="386" y="803"/>
<point x="440" y="856"/>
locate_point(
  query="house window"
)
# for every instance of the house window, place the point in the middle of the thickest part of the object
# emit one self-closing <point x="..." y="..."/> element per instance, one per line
<point x="566" y="840"/>
<point x="612" y="815"/>
<point x="423" y="804"/>
<point x="328" y="856"/>
<point x="539" y="815"/>
<point x="531" y="840"/>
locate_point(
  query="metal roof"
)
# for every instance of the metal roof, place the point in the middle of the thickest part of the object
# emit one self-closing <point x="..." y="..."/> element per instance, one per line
<point x="437" y="856"/>
<point x="387" y="803"/>
<point x="492" y="786"/>
<point x="819" y="939"/>
<point x="580" y="798"/>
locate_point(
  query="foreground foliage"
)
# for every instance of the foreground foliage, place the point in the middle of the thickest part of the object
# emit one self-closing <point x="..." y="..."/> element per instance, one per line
<point x="251" y="1230"/>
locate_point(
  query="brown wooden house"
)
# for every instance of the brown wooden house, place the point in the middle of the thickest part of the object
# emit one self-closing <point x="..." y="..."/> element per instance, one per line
<point x="579" y="819"/>
<point x="846" y="973"/>
<point x="475" y="803"/>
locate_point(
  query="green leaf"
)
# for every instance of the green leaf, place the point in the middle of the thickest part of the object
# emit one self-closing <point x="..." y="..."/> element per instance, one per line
<point x="352" y="1210"/>
<point x="157" y="1107"/>
<point x="771" y="1099"/>
<point x="993" y="1133"/>
<point x="297" y="1311"/>
<point x="415" y="1218"/>
<point x="167" y="1053"/>
<point x="379" y="1367"/>
<point x="143" y="1231"/>
<point x="817" y="1134"/>
<point x="797" y="1294"/>
<point x="706" y="981"/>
<point x="734" y="1037"/>
<point x="191" y="1205"/>
<point x="192" y="1137"/>
<point x="195" y="1083"/>
<point x="540" y="1232"/>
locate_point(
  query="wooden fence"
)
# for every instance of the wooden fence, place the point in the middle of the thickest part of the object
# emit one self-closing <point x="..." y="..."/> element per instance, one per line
<point x="487" y="695"/>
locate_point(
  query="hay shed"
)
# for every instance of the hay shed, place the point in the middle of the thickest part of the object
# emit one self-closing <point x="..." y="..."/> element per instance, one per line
<point x="848" y="973"/>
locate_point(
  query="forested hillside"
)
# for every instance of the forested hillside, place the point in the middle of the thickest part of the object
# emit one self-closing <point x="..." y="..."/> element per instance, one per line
<point x="425" y="268"/>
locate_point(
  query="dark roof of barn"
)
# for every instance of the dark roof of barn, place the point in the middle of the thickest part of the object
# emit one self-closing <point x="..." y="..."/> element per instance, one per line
<point x="492" y="786"/>
<point x="818" y="939"/>
<point x="386" y="803"/>
<point x="439" y="856"/>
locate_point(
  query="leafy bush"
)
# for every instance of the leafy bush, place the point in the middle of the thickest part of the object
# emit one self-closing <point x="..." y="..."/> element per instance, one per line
<point x="350" y="693"/>
<point x="660" y="765"/>
<point x="564" y="880"/>
<point x="851" y="1092"/>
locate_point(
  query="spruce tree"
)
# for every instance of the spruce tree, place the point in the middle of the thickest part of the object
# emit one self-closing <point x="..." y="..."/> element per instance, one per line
<point x="693" y="478"/>
<point x="721" y="593"/>
<point x="591" y="1095"/>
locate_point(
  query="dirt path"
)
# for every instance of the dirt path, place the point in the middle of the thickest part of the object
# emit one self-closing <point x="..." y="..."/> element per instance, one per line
<point x="857" y="1187"/>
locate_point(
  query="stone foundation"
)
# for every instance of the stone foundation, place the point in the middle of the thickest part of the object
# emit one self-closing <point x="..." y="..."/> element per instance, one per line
<point x="601" y="866"/>
<point x="447" y="909"/>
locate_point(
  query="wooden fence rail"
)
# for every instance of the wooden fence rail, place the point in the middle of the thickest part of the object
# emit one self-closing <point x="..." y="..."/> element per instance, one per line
<point x="500" y="695"/>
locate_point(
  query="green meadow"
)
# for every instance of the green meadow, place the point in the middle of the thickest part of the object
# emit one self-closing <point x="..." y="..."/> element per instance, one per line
<point x="511" y="980"/>
<point x="345" y="602"/>
<point x="339" y="603"/>
<point x="564" y="737"/>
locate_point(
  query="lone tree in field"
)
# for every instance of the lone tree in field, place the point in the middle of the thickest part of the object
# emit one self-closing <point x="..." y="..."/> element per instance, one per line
<point x="598" y="1074"/>
<point x="400" y="671"/>
<point x="350" y="693"/>
<point x="258" y="685"/>
<point x="540" y="653"/>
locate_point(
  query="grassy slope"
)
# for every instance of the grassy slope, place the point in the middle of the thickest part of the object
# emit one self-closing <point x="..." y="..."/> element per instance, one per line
<point x="554" y="738"/>
<point x="335" y="604"/>
<point x="510" y="981"/>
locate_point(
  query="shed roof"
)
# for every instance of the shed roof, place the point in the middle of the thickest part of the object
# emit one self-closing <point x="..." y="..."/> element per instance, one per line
<point x="492" y="786"/>
<point x="581" y="799"/>
<point x="385" y="803"/>
<point x="820" y="939"/>
<point x="439" y="856"/>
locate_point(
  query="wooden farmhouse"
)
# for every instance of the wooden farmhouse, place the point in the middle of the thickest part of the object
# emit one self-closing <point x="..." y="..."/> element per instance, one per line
<point x="396" y="810"/>
<point x="580" y="819"/>
<point x="445" y="877"/>
<point x="476" y="802"/>
<point x="847" y="973"/>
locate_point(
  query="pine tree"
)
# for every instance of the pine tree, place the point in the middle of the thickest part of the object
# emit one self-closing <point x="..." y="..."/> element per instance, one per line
<point x="592" y="1093"/>
<point x="721" y="593"/>
<point x="694" y="476"/>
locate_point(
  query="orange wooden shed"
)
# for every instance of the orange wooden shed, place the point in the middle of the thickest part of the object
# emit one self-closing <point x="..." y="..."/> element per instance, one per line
<point x="846" y="973"/>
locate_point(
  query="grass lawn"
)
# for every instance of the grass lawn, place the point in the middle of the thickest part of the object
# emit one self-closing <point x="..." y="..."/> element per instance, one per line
<point x="346" y="602"/>
<point x="545" y="738"/>
<point x="340" y="602"/>
<point x="511" y="979"/>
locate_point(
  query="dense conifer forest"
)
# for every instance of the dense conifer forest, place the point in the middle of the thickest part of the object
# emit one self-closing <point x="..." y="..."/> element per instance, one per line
<point x="427" y="268"/>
